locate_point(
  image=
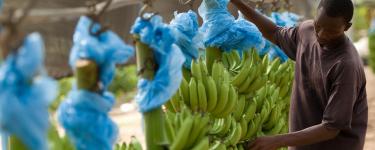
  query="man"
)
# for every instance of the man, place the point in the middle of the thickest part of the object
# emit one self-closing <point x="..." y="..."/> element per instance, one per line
<point x="328" y="108"/>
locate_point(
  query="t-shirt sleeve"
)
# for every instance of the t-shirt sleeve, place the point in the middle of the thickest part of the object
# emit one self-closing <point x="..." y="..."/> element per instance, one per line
<point x="287" y="39"/>
<point x="341" y="97"/>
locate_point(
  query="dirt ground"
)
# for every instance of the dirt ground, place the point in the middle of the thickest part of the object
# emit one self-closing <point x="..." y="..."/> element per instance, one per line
<point x="370" y="138"/>
<point x="130" y="122"/>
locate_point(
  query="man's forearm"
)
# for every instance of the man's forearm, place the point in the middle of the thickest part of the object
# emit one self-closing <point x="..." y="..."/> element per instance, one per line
<point x="311" y="135"/>
<point x="265" y="25"/>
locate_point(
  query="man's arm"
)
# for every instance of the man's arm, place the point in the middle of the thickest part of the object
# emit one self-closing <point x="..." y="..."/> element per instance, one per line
<point x="266" y="26"/>
<point x="311" y="135"/>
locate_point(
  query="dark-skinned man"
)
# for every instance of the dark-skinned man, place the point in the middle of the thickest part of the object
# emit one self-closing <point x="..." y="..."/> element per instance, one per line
<point x="328" y="108"/>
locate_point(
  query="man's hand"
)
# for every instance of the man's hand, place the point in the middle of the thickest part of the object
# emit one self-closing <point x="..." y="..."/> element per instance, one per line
<point x="264" y="143"/>
<point x="311" y="135"/>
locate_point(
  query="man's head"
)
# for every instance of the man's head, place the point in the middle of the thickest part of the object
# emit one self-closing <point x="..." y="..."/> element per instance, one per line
<point x="333" y="19"/>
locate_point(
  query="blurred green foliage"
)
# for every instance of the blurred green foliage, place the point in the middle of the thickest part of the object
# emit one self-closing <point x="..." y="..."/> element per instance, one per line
<point x="58" y="142"/>
<point x="360" y="22"/>
<point x="65" y="85"/>
<point x="125" y="82"/>
<point x="372" y="50"/>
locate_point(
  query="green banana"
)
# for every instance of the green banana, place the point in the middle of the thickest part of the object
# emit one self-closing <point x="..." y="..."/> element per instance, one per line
<point x="241" y="77"/>
<point x="196" y="70"/>
<point x="244" y="127"/>
<point x="225" y="60"/>
<point x="217" y="126"/>
<point x="244" y="87"/>
<point x="265" y="111"/>
<point x="135" y="143"/>
<point x="216" y="72"/>
<point x="235" y="138"/>
<point x="202" y="145"/>
<point x="184" y="91"/>
<point x="240" y="107"/>
<point x="223" y="99"/>
<point x="276" y="130"/>
<point x="283" y="67"/>
<point x="257" y="84"/>
<point x="203" y="128"/>
<point x="204" y="71"/>
<point x="227" y="124"/>
<point x="251" y="130"/>
<point x="194" y="131"/>
<point x="250" y="111"/>
<point x="170" y="131"/>
<point x="198" y="126"/>
<point x="236" y="56"/>
<point x="218" y="146"/>
<point x="202" y="98"/>
<point x="231" y="104"/>
<point x="193" y="94"/>
<point x="285" y="129"/>
<point x="182" y="134"/>
<point x="274" y="65"/>
<point x="284" y="92"/>
<point x="272" y="120"/>
<point x="265" y="63"/>
<point x="212" y="94"/>
<point x="262" y="92"/>
<point x="254" y="126"/>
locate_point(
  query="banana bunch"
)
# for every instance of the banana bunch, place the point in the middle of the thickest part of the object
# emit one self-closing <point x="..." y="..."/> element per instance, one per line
<point x="186" y="130"/>
<point x="241" y="98"/>
<point x="250" y="77"/>
<point x="282" y="75"/>
<point x="206" y="93"/>
<point x="133" y="145"/>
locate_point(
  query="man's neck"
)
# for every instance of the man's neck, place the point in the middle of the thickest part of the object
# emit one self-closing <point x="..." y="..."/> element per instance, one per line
<point x="335" y="43"/>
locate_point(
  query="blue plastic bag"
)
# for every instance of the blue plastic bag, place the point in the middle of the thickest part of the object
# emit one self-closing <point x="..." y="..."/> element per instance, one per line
<point x="221" y="30"/>
<point x="25" y="94"/>
<point x="107" y="50"/>
<point x="84" y="114"/>
<point x="185" y="30"/>
<point x="292" y="19"/>
<point x="285" y="20"/>
<point x="154" y="93"/>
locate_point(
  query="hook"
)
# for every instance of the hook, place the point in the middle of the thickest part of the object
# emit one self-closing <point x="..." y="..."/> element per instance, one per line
<point x="96" y="16"/>
<point x="147" y="6"/>
<point x="188" y="2"/>
<point x="11" y="38"/>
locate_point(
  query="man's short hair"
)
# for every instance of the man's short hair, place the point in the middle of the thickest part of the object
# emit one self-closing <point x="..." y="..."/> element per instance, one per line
<point x="338" y="8"/>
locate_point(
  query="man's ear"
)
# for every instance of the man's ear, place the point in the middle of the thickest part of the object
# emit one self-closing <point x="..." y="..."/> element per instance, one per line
<point x="348" y="25"/>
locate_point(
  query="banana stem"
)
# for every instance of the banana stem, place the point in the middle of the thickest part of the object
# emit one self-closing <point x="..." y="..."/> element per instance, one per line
<point x="145" y="60"/>
<point x="87" y="75"/>
<point x="154" y="120"/>
<point x="212" y="54"/>
<point x="154" y="128"/>
<point x="16" y="144"/>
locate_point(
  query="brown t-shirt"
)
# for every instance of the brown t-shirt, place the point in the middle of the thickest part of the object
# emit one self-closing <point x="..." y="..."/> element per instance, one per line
<point x="329" y="88"/>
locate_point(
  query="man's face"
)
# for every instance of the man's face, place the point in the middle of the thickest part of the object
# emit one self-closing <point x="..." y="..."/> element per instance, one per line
<point x="328" y="29"/>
